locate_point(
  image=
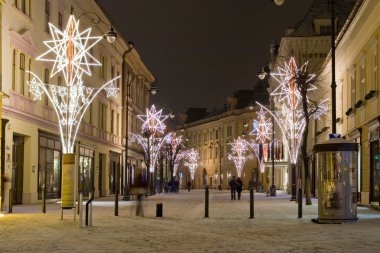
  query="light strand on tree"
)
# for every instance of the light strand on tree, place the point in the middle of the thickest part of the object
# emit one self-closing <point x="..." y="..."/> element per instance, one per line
<point x="238" y="154"/>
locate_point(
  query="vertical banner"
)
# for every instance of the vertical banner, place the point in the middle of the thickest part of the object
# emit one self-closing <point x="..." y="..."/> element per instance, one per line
<point x="68" y="181"/>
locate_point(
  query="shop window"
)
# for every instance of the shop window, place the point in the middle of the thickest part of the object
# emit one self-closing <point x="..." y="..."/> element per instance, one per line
<point x="86" y="170"/>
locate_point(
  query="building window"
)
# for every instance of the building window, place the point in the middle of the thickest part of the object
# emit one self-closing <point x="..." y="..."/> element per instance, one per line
<point x="118" y="80"/>
<point x="112" y="121"/>
<point x="60" y="21"/>
<point x="46" y="81"/>
<point x="14" y="70"/>
<point x="29" y="73"/>
<point x="86" y="170"/>
<point x="47" y="15"/>
<point x="325" y="30"/>
<point x="103" y="116"/>
<point x="374" y="75"/>
<point x="103" y="71"/>
<point x="353" y="86"/>
<point x="216" y="134"/>
<point x="210" y="135"/>
<point x="90" y="112"/>
<point x="72" y="10"/>
<point x="117" y="124"/>
<point x="362" y="77"/>
<point x="23" y="6"/>
<point x="49" y="169"/>
<point x="22" y="74"/>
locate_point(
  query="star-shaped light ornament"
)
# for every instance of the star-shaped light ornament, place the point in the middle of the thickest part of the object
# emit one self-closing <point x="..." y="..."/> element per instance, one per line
<point x="153" y="121"/>
<point x="34" y="88"/>
<point x="192" y="161"/>
<point x="262" y="127"/>
<point x="111" y="90"/>
<point x="69" y="50"/>
<point x="287" y="91"/>
<point x="238" y="154"/>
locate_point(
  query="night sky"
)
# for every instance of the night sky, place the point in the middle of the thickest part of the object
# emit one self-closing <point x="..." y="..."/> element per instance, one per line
<point x="201" y="51"/>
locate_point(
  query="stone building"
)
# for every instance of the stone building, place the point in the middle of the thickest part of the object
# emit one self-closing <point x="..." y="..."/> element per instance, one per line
<point x="32" y="148"/>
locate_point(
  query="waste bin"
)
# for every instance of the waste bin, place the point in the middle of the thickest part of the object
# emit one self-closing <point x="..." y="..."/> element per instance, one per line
<point x="337" y="163"/>
<point x="159" y="209"/>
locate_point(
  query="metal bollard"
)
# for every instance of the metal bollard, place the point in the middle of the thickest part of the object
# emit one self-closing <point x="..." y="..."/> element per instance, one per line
<point x="80" y="208"/>
<point x="299" y="203"/>
<point x="159" y="209"/>
<point x="117" y="202"/>
<point x="10" y="209"/>
<point x="43" y="201"/>
<point x="251" y="203"/>
<point x="206" y="202"/>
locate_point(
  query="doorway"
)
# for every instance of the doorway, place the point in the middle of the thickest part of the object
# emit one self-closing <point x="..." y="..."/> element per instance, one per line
<point x="100" y="174"/>
<point x="375" y="171"/>
<point x="17" y="169"/>
<point x="114" y="172"/>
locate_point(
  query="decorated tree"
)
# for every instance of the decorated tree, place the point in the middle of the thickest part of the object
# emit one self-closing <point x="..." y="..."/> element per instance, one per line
<point x="238" y="154"/>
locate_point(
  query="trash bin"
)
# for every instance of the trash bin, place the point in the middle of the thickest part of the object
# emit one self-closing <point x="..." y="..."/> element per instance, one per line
<point x="159" y="209"/>
<point x="337" y="163"/>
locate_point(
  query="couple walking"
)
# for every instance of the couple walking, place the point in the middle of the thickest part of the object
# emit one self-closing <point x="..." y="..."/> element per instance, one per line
<point x="236" y="185"/>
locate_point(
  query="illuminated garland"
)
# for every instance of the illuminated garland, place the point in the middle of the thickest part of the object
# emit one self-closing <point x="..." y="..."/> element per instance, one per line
<point x="192" y="161"/>
<point x="69" y="50"/>
<point x="238" y="154"/>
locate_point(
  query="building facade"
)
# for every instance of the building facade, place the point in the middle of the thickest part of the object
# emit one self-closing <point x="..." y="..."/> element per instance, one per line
<point x="357" y="61"/>
<point x="32" y="157"/>
<point x="212" y="136"/>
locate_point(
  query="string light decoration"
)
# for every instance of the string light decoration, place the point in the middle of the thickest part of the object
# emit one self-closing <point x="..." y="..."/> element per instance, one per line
<point x="261" y="130"/>
<point x="153" y="124"/>
<point x="290" y="118"/>
<point x="175" y="155"/>
<point x="238" y="154"/>
<point x="183" y="154"/>
<point x="69" y="51"/>
<point x="192" y="161"/>
<point x="153" y="121"/>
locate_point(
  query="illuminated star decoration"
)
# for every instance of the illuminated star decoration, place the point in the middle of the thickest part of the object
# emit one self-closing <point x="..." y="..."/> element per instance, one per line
<point x="262" y="129"/>
<point x="290" y="118"/>
<point x="153" y="121"/>
<point x="182" y="154"/>
<point x="192" y="160"/>
<point x="238" y="154"/>
<point x="69" y="50"/>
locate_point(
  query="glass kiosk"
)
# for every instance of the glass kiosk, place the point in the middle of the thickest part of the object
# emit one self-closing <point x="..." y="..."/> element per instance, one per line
<point x="337" y="161"/>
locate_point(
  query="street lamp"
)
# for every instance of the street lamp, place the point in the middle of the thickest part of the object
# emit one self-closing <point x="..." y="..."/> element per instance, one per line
<point x="110" y="35"/>
<point x="221" y="146"/>
<point x="130" y="80"/>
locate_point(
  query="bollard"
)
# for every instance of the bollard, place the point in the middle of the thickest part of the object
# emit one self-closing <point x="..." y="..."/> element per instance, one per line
<point x="80" y="208"/>
<point x="159" y="209"/>
<point x="10" y="209"/>
<point x="299" y="203"/>
<point x="251" y="203"/>
<point x="117" y="202"/>
<point x="43" y="200"/>
<point x="206" y="202"/>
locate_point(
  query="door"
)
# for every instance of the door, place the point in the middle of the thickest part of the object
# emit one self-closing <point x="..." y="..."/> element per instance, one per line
<point x="100" y="174"/>
<point x="17" y="169"/>
<point x="375" y="171"/>
<point x="114" y="172"/>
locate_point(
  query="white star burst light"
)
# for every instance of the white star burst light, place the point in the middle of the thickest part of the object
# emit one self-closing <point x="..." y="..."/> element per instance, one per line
<point x="238" y="154"/>
<point x="180" y="156"/>
<point x="153" y="120"/>
<point x="69" y="50"/>
<point x="192" y="157"/>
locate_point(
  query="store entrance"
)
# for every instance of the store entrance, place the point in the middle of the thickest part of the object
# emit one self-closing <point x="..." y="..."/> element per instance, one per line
<point x="375" y="171"/>
<point x="17" y="169"/>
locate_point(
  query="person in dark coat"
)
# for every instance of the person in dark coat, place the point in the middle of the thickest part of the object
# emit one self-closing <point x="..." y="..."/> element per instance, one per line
<point x="232" y="185"/>
<point x="188" y="185"/>
<point x="239" y="187"/>
<point x="139" y="188"/>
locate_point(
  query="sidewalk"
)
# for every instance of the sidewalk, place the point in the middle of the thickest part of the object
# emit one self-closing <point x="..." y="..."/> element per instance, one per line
<point x="183" y="228"/>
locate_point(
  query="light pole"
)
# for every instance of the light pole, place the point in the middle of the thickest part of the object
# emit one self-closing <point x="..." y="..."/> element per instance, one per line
<point x="129" y="79"/>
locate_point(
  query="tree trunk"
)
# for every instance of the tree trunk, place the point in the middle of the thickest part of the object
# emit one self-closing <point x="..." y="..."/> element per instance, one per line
<point x="305" y="158"/>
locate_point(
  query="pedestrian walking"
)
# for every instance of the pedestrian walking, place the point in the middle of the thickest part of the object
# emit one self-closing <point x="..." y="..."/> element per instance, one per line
<point x="188" y="185"/>
<point x="139" y="188"/>
<point x="239" y="187"/>
<point x="232" y="185"/>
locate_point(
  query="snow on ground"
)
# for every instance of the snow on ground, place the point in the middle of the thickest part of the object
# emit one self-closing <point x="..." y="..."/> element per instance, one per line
<point x="184" y="228"/>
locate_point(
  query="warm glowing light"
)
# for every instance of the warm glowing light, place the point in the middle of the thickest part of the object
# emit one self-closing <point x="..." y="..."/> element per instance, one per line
<point x="153" y="120"/>
<point x="192" y="161"/>
<point x="238" y="154"/>
<point x="69" y="51"/>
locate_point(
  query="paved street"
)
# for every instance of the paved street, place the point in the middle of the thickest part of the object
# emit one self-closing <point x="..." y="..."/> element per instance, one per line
<point x="184" y="228"/>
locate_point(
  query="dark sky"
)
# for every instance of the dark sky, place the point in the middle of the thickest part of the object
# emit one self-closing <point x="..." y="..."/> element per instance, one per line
<point x="201" y="51"/>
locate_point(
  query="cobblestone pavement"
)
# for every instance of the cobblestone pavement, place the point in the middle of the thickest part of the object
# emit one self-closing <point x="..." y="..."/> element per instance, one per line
<point x="183" y="227"/>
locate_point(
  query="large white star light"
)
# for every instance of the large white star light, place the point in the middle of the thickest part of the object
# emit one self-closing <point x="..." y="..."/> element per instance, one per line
<point x="192" y="157"/>
<point x="262" y="126"/>
<point x="288" y="91"/>
<point x="238" y="154"/>
<point x="153" y="120"/>
<point x="69" y="50"/>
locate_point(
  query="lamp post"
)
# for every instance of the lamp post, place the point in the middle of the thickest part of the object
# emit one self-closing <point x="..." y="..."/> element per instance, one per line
<point x="110" y="35"/>
<point x="70" y="102"/>
<point x="129" y="79"/>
